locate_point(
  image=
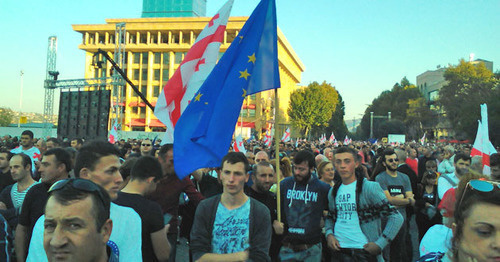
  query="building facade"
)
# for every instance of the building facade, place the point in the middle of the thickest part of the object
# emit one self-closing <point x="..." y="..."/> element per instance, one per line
<point x="154" y="48"/>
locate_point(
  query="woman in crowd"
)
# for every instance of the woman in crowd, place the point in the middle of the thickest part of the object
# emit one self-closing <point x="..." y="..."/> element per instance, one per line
<point x="426" y="201"/>
<point x="476" y="224"/>
<point x="476" y="232"/>
<point x="326" y="172"/>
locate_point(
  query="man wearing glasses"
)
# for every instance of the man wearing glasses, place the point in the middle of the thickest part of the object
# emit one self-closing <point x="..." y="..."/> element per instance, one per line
<point x="77" y="223"/>
<point x="98" y="162"/>
<point x="303" y="200"/>
<point x="146" y="147"/>
<point x="397" y="189"/>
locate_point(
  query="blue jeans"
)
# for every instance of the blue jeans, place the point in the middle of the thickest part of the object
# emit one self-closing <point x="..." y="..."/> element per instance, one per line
<point x="312" y="254"/>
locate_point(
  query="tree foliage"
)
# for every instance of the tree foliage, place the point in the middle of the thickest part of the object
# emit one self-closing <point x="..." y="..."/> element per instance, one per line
<point x="467" y="87"/>
<point x="407" y="107"/>
<point x="6" y="116"/>
<point x="313" y="106"/>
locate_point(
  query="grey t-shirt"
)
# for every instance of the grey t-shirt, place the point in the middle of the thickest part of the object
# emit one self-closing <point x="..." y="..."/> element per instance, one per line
<point x="395" y="185"/>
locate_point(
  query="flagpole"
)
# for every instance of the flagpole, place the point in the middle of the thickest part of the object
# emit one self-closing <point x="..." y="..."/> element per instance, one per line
<point x="277" y="154"/>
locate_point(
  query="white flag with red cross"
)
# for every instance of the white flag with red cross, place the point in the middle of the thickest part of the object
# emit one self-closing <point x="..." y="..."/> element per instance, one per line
<point x="192" y="72"/>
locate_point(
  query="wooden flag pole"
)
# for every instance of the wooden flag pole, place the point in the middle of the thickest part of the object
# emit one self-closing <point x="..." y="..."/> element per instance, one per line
<point x="277" y="154"/>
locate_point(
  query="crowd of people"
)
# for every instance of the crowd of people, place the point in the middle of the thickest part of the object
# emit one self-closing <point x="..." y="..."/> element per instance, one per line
<point x="76" y="200"/>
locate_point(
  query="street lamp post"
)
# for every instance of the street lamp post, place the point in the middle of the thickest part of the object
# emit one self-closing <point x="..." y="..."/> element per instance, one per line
<point x="371" y="124"/>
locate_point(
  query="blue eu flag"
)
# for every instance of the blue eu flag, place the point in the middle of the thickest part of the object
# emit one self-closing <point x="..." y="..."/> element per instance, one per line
<point x="203" y="133"/>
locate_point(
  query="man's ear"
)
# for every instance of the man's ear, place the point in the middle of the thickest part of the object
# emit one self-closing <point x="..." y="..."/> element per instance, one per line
<point x="85" y="173"/>
<point x="106" y="230"/>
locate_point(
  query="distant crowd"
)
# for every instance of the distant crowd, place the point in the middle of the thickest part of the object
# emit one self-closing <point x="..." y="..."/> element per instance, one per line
<point x="77" y="200"/>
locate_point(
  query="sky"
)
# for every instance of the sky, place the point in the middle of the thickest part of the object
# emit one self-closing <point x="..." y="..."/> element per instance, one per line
<point x="360" y="47"/>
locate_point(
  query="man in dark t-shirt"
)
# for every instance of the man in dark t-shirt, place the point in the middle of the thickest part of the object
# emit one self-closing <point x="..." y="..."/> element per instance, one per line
<point x="5" y="177"/>
<point x="143" y="178"/>
<point x="55" y="166"/>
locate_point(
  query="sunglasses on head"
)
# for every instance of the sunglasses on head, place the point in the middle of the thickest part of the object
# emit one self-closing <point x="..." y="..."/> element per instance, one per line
<point x="80" y="184"/>
<point x="391" y="160"/>
<point x="481" y="186"/>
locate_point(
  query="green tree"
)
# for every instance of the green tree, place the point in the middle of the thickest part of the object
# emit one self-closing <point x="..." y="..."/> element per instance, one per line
<point x="406" y="104"/>
<point x="312" y="106"/>
<point x="467" y="87"/>
<point x="336" y="123"/>
<point x="6" y="116"/>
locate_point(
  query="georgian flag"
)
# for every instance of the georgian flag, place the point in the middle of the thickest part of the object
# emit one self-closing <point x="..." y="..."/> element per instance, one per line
<point x="113" y="133"/>
<point x="422" y="140"/>
<point x="286" y="136"/>
<point x="238" y="145"/>
<point x="267" y="139"/>
<point x="332" y="138"/>
<point x="192" y="72"/>
<point x="322" y="139"/>
<point x="482" y="145"/>
<point x="347" y="141"/>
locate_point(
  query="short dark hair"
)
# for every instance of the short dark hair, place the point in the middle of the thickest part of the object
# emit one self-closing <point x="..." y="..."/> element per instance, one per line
<point x="262" y="164"/>
<point x="145" y="167"/>
<point x="54" y="140"/>
<point x="62" y="157"/>
<point x="461" y="156"/>
<point x="101" y="201"/>
<point x="305" y="155"/>
<point x="26" y="160"/>
<point x="28" y="132"/>
<point x="91" y="153"/>
<point x="9" y="154"/>
<point x="236" y="157"/>
<point x="78" y="140"/>
<point x="164" y="149"/>
<point x="126" y="167"/>
<point x="345" y="149"/>
<point x="495" y="159"/>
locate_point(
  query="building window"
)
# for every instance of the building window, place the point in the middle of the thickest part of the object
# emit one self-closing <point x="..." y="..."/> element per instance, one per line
<point x="251" y="112"/>
<point x="135" y="74"/>
<point x="138" y="128"/>
<point x="178" y="58"/>
<point x="111" y="38"/>
<point x="143" y="38"/>
<point x="157" y="59"/>
<point x="137" y="58"/>
<point x="164" y="38"/>
<point x="175" y="37"/>
<point x="144" y="75"/>
<point x="133" y="38"/>
<point x="156" y="90"/>
<point x="165" y="74"/>
<point x="101" y="39"/>
<point x="135" y="110"/>
<point x="154" y="38"/>
<point x="145" y="58"/>
<point x="144" y="90"/>
<point x="156" y="74"/>
<point x="166" y="59"/>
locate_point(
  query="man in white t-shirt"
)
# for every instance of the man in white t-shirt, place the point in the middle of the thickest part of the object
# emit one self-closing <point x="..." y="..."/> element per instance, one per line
<point x="27" y="148"/>
<point x="353" y="228"/>
<point x="450" y="180"/>
<point x="98" y="161"/>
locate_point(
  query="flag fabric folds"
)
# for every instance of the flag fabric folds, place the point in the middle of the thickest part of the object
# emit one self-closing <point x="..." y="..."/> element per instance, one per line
<point x="286" y="136"/>
<point x="422" y="140"/>
<point x="204" y="131"/>
<point x="332" y="138"/>
<point x="267" y="139"/>
<point x="194" y="69"/>
<point x="482" y="145"/>
<point x="238" y="145"/>
<point x="113" y="133"/>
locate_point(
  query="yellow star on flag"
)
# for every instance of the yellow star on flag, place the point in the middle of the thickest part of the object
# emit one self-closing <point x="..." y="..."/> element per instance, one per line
<point x="197" y="97"/>
<point x="244" y="92"/>
<point x="244" y="74"/>
<point x="251" y="58"/>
